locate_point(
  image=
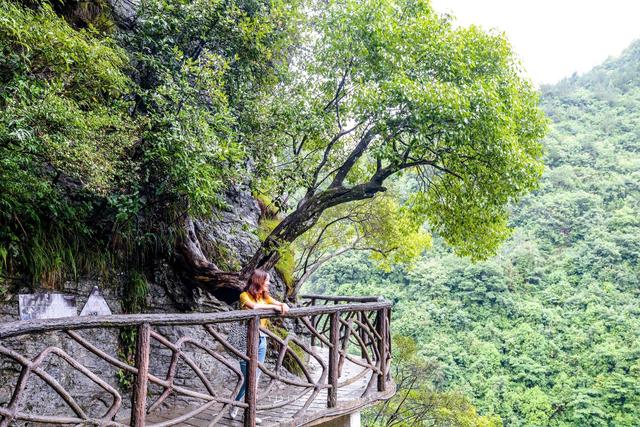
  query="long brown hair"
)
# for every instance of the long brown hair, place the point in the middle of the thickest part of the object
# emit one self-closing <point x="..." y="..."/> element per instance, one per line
<point x="255" y="285"/>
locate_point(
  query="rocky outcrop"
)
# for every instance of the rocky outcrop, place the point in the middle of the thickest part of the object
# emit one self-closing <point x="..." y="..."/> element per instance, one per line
<point x="124" y="11"/>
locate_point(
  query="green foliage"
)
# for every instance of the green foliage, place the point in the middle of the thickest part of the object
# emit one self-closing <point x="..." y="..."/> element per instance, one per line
<point x="93" y="14"/>
<point x="63" y="130"/>
<point x="266" y="226"/>
<point x="135" y="293"/>
<point x="446" y="104"/>
<point x="396" y="235"/>
<point x="106" y="141"/>
<point x="201" y="65"/>
<point x="127" y="338"/>
<point x="547" y="332"/>
<point x="286" y="264"/>
<point x="418" y="400"/>
<point x="134" y="300"/>
<point x="268" y="208"/>
<point x="379" y="226"/>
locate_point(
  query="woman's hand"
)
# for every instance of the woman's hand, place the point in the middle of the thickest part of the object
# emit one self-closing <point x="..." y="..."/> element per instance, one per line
<point x="284" y="308"/>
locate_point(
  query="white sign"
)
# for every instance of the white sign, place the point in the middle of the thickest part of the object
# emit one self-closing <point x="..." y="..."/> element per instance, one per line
<point x="46" y="306"/>
<point x="96" y="305"/>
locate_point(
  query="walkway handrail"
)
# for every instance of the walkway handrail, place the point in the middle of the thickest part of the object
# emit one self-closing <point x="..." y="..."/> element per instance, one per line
<point x="350" y="324"/>
<point x="21" y="327"/>
<point x="345" y="299"/>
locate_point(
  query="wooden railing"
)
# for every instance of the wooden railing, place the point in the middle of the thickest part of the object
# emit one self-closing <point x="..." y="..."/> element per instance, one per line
<point x="343" y="331"/>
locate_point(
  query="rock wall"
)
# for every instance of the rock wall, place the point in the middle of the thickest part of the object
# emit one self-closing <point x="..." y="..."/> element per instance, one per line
<point x="229" y="238"/>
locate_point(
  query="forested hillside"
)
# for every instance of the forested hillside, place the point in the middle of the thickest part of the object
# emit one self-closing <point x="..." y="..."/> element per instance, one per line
<point x="548" y="331"/>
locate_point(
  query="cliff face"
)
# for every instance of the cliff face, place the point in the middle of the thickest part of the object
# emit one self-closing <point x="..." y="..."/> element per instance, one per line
<point x="232" y="229"/>
<point x="74" y="61"/>
<point x="229" y="237"/>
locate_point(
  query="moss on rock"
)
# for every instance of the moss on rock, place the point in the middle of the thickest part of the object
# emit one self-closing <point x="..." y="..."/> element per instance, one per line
<point x="289" y="362"/>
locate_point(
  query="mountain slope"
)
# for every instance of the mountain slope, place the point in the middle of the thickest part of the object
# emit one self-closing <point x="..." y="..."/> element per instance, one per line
<point x="548" y="331"/>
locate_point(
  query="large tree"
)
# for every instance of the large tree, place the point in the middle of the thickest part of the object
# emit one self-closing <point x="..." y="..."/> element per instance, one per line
<point x="386" y="87"/>
<point x="113" y="142"/>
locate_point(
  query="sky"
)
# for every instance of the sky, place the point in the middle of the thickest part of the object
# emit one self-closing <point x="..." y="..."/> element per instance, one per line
<point x="554" y="38"/>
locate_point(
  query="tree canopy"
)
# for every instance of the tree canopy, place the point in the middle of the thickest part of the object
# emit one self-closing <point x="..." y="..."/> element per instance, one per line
<point x="383" y="88"/>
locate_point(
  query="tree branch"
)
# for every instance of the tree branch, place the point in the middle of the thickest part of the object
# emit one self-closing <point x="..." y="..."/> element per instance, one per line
<point x="343" y="80"/>
<point x="325" y="156"/>
<point x="316" y="265"/>
<point x="355" y="154"/>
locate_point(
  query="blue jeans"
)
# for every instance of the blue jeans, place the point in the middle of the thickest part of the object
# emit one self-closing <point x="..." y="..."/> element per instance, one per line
<point x="262" y="353"/>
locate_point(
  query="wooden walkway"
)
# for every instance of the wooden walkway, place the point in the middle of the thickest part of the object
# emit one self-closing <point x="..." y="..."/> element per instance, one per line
<point x="349" y="400"/>
<point x="345" y="365"/>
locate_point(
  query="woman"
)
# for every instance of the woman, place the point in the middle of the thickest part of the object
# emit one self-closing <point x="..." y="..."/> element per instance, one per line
<point x="256" y="296"/>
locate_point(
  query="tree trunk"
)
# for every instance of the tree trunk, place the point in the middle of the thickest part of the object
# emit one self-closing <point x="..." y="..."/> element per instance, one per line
<point x="303" y="218"/>
<point x="206" y="274"/>
<point x="198" y="269"/>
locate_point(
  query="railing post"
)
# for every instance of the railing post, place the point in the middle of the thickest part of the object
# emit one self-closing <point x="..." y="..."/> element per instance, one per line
<point x="253" y="336"/>
<point x="363" y="335"/>
<point x="381" y="328"/>
<point x="139" y="396"/>
<point x="332" y="393"/>
<point x="313" y="323"/>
